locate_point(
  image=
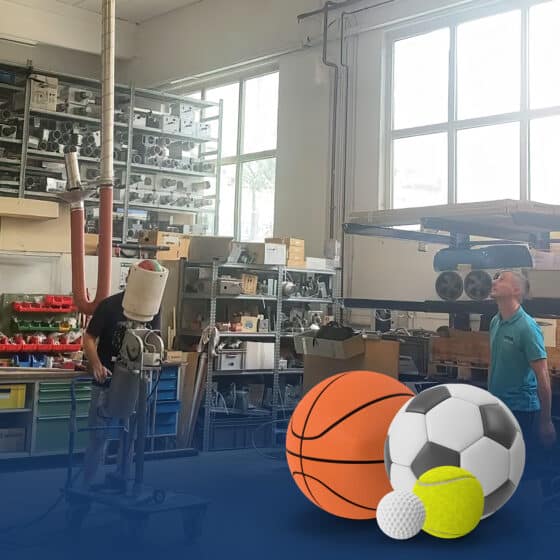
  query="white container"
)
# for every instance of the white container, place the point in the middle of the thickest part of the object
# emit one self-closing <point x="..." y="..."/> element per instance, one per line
<point x="143" y="293"/>
<point x="229" y="360"/>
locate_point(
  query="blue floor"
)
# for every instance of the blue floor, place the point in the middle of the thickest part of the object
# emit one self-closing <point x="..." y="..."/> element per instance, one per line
<point x="256" y="511"/>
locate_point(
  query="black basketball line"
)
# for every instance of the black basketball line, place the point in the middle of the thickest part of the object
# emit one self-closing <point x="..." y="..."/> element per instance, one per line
<point x="337" y="461"/>
<point x="305" y="476"/>
<point x="303" y="431"/>
<point x="345" y="417"/>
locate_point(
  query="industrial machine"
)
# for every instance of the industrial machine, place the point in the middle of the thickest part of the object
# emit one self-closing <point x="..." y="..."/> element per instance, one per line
<point x="138" y="356"/>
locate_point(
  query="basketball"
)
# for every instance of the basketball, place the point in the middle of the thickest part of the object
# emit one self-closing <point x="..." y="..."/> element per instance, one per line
<point x="335" y="441"/>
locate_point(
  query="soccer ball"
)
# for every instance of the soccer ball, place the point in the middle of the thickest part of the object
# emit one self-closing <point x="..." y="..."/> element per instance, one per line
<point x="457" y="425"/>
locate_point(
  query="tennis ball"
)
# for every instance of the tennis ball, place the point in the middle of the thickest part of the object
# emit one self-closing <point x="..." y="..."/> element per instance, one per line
<point x="453" y="499"/>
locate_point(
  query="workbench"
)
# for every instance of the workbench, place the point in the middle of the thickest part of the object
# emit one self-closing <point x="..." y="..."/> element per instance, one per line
<point x="38" y="426"/>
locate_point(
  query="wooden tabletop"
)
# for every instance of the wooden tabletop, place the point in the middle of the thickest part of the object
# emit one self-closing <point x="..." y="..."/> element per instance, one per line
<point x="37" y="374"/>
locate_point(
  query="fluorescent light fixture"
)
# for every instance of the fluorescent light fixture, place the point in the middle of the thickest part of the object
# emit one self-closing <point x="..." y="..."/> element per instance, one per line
<point x="17" y="40"/>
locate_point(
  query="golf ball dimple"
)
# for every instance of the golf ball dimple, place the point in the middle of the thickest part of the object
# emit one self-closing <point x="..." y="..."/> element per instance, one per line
<point x="400" y="515"/>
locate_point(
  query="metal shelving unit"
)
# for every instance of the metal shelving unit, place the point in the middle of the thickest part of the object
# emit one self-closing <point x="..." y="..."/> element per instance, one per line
<point x="277" y="410"/>
<point x="129" y="102"/>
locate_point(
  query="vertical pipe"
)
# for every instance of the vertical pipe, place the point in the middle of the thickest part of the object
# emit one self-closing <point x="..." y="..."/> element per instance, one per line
<point x="326" y="62"/>
<point x="106" y="183"/>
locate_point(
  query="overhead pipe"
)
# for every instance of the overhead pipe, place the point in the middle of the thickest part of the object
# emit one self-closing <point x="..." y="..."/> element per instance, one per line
<point x="76" y="193"/>
<point x="327" y="62"/>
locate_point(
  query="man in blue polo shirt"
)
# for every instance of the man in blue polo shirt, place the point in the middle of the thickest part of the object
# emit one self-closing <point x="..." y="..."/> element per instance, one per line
<point x="519" y="371"/>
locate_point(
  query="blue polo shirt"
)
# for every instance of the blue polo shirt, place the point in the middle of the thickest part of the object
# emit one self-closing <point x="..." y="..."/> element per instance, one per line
<point x="515" y="343"/>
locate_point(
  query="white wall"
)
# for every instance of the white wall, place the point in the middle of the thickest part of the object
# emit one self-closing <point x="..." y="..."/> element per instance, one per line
<point x="216" y="34"/>
<point x="301" y="204"/>
<point x="53" y="23"/>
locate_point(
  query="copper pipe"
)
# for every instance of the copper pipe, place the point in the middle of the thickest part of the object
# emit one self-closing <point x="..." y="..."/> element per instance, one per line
<point x="106" y="183"/>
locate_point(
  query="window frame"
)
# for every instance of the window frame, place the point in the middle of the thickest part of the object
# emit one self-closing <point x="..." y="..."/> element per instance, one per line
<point x="240" y="158"/>
<point x="452" y="20"/>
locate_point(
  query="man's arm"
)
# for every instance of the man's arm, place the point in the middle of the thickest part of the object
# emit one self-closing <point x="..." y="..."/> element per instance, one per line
<point x="90" y="348"/>
<point x="547" y="432"/>
<point x="93" y="331"/>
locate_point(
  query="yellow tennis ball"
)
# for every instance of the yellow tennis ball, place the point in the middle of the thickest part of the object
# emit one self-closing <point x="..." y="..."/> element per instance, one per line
<point x="453" y="499"/>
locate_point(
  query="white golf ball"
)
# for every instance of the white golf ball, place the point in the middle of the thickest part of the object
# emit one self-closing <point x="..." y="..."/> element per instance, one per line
<point x="401" y="515"/>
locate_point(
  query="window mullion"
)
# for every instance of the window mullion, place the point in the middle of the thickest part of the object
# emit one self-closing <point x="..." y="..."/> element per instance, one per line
<point x="452" y="117"/>
<point x="525" y="182"/>
<point x="238" y="166"/>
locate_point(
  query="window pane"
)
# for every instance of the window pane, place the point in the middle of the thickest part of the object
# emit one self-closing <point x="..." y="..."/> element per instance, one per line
<point x="545" y="165"/>
<point x="489" y="66"/>
<point x="261" y="113"/>
<point x="420" y="171"/>
<point x="421" y="71"/>
<point x="257" y="199"/>
<point x="488" y="163"/>
<point x="226" y="218"/>
<point x="230" y="96"/>
<point x="544" y="46"/>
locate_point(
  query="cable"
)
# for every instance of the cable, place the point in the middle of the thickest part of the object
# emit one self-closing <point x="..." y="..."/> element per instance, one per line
<point x="39" y="518"/>
<point x="266" y="455"/>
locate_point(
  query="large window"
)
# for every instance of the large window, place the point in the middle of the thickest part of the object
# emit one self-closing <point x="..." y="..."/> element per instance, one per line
<point x="248" y="157"/>
<point x="473" y="110"/>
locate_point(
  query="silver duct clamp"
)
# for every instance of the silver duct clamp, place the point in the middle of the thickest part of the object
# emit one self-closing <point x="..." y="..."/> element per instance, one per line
<point x="76" y="191"/>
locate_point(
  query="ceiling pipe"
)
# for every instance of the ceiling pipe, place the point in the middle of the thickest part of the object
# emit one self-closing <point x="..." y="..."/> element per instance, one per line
<point x="76" y="193"/>
<point x="333" y="5"/>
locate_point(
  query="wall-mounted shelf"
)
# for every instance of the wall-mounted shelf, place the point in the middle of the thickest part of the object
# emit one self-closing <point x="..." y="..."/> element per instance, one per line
<point x="129" y="101"/>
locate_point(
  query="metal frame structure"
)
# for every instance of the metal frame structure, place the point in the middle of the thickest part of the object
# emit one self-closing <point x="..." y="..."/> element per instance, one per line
<point x="275" y="271"/>
<point x="132" y="93"/>
<point x="453" y="124"/>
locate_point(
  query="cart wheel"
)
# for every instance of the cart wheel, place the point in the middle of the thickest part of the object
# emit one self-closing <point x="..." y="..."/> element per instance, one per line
<point x="159" y="496"/>
<point x="75" y="516"/>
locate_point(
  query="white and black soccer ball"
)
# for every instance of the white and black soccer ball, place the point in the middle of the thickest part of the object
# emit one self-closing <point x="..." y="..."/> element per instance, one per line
<point x="458" y="425"/>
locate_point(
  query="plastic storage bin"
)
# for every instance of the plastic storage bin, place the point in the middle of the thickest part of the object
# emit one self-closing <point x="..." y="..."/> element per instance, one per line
<point x="12" y="396"/>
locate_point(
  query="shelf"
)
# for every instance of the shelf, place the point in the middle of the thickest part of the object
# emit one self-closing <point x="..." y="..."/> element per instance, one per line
<point x="170" y="209"/>
<point x="10" y="140"/>
<point x="170" y="171"/>
<point x="19" y="455"/>
<point x="60" y="115"/>
<point x="159" y="95"/>
<point x="175" y="135"/>
<point x="311" y="271"/>
<point x="14" y="411"/>
<point x="10" y="161"/>
<point x="241" y="297"/>
<point x="291" y="371"/>
<point x="56" y="155"/>
<point x="231" y="334"/>
<point x="7" y="190"/>
<point x="325" y="301"/>
<point x="11" y="87"/>
<point x="243" y="372"/>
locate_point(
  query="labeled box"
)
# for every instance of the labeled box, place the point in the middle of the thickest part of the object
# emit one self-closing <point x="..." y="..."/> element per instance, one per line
<point x="207" y="248"/>
<point x="258" y="253"/>
<point x="178" y="244"/>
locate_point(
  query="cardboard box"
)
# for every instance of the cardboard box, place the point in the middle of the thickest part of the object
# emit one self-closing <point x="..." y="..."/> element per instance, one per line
<point x="381" y="356"/>
<point x="258" y="253"/>
<point x="336" y="349"/>
<point x="178" y="244"/>
<point x="249" y="323"/>
<point x="44" y="94"/>
<point x="317" y="263"/>
<point x="259" y="355"/>
<point x="295" y="249"/>
<point x="12" y="440"/>
<point x="206" y="248"/>
<point x="175" y="356"/>
<point x="91" y="242"/>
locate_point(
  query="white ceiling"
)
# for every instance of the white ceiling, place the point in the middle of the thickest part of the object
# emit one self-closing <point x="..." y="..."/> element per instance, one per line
<point x="134" y="11"/>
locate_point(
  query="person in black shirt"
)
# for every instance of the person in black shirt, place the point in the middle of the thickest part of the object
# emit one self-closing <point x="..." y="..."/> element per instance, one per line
<point x="105" y="323"/>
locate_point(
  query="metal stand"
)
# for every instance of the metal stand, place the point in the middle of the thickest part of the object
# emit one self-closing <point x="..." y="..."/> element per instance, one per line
<point x="134" y="503"/>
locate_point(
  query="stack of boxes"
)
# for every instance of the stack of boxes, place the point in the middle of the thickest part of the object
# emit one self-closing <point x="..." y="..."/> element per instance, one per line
<point x="295" y="250"/>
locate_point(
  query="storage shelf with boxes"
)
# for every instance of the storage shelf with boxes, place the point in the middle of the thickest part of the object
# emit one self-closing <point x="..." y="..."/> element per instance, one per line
<point x="245" y="296"/>
<point x="161" y="136"/>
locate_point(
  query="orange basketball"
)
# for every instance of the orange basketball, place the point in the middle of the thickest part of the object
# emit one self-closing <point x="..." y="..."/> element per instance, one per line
<point x="336" y="438"/>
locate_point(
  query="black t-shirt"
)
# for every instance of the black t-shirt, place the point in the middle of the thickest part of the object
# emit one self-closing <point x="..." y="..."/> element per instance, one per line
<point x="106" y="321"/>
